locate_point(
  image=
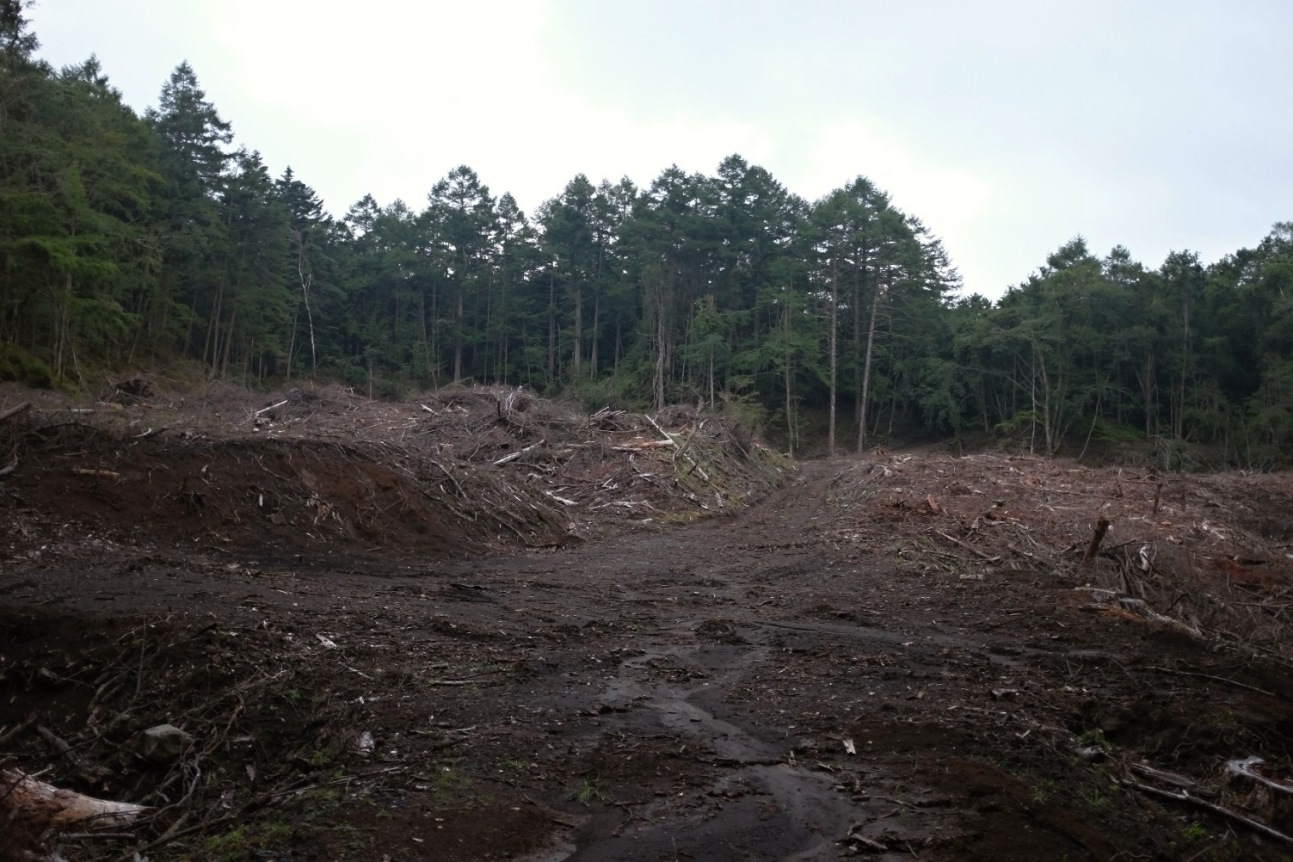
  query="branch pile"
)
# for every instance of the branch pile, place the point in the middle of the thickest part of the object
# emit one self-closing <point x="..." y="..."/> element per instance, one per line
<point x="1210" y="555"/>
<point x="456" y="472"/>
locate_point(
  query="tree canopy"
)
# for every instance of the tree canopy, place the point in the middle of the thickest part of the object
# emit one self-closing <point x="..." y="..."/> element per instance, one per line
<point x="127" y="239"/>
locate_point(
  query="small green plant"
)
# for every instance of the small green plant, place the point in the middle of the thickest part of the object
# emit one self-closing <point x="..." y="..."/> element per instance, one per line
<point x="1195" y="832"/>
<point x="449" y="785"/>
<point x="356" y="839"/>
<point x="321" y="758"/>
<point x="1043" y="791"/>
<point x="1095" y="738"/>
<point x="246" y="840"/>
<point x="1096" y="798"/>
<point x="588" y="792"/>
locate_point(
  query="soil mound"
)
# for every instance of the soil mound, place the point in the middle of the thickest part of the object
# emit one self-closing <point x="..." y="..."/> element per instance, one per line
<point x="323" y="473"/>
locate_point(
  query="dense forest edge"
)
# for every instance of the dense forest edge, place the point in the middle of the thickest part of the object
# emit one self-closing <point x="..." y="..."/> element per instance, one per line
<point x="131" y="243"/>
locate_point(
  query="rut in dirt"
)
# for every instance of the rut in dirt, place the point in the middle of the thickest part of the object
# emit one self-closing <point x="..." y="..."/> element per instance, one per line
<point x="730" y="651"/>
<point x="780" y="808"/>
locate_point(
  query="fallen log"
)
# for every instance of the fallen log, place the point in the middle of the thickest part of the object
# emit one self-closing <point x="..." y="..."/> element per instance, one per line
<point x="26" y="799"/>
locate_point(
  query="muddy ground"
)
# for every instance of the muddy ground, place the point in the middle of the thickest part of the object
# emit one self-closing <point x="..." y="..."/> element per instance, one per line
<point x="643" y="639"/>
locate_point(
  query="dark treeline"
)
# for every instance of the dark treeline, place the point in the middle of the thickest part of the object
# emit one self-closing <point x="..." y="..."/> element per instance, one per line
<point x="127" y="241"/>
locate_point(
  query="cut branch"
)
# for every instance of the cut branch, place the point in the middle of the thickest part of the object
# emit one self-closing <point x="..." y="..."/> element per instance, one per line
<point x="1101" y="527"/>
<point x="15" y="411"/>
<point x="1215" y="809"/>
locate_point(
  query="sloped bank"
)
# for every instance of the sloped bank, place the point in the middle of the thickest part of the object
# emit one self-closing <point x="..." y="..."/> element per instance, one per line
<point x="321" y="472"/>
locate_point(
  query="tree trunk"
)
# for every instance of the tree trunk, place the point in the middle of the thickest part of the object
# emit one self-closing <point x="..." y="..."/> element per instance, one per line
<point x="306" y="281"/>
<point x="790" y="392"/>
<point x="228" y="346"/>
<point x="857" y="343"/>
<point x="592" y="348"/>
<point x="866" y="369"/>
<point x="552" y="326"/>
<point x="835" y="297"/>
<point x="457" y="337"/>
<point x="659" y="354"/>
<point x="579" y="326"/>
<point x="211" y="344"/>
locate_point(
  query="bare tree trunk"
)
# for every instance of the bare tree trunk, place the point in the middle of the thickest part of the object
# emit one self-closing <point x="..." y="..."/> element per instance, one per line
<point x="659" y="354"/>
<point x="866" y="368"/>
<point x="835" y="304"/>
<point x="857" y="345"/>
<point x="579" y="326"/>
<point x="1032" y="388"/>
<point x="552" y="326"/>
<point x="597" y="315"/>
<point x="291" y="346"/>
<point x="212" y="343"/>
<point x="306" y="281"/>
<point x="711" y="379"/>
<point x="457" y="337"/>
<point x="1179" y="424"/>
<point x="228" y="345"/>
<point x="790" y="391"/>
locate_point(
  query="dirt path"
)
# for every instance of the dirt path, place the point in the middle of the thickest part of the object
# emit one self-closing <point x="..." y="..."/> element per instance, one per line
<point x="749" y="687"/>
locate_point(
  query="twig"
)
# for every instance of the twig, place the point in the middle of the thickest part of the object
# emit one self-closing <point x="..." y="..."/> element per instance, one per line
<point x="1184" y="796"/>
<point x="507" y="458"/>
<point x="972" y="550"/>
<point x="1235" y="683"/>
<point x="16" y="731"/>
<point x="1021" y="552"/>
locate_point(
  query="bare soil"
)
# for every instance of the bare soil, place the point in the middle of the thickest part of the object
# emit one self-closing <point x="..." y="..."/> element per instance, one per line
<point x="638" y="639"/>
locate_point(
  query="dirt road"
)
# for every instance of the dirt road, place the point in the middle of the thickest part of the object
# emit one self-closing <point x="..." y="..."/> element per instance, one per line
<point x="759" y="686"/>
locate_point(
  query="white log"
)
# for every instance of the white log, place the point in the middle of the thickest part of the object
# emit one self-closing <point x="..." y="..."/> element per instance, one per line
<point x="34" y="800"/>
<point x="270" y="407"/>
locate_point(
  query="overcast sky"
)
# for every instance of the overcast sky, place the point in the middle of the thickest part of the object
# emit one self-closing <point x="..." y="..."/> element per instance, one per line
<point x="1007" y="127"/>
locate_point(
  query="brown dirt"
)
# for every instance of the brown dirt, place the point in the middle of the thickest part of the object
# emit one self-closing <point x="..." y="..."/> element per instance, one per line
<point x="894" y="657"/>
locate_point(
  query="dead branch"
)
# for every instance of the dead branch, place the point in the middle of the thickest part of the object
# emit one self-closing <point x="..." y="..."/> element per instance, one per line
<point x="1235" y="816"/>
<point x="1246" y="767"/>
<point x="972" y="550"/>
<point x="269" y="408"/>
<point x="101" y="474"/>
<point x="16" y="731"/>
<point x="1101" y="527"/>
<point x="656" y="426"/>
<point x="509" y="458"/>
<point x="1221" y="679"/>
<point x="15" y="411"/>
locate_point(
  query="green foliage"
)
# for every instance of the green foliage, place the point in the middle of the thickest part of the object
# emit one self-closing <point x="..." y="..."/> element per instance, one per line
<point x="20" y="366"/>
<point x="127" y="239"/>
<point x="246" y="841"/>
<point x="589" y="792"/>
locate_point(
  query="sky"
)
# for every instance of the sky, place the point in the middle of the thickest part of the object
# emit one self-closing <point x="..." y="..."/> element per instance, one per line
<point x="1007" y="127"/>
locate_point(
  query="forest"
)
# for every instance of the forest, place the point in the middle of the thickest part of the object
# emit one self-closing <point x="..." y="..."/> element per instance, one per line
<point x="130" y="242"/>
